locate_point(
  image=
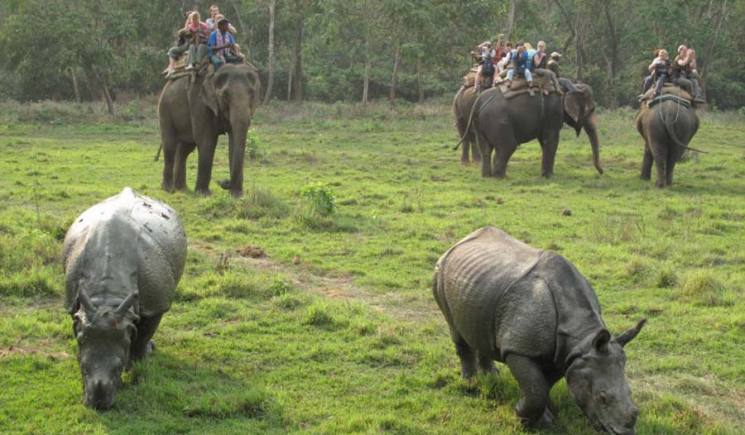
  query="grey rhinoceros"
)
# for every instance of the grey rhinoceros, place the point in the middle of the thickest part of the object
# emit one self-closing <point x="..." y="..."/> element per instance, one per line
<point x="123" y="258"/>
<point x="531" y="309"/>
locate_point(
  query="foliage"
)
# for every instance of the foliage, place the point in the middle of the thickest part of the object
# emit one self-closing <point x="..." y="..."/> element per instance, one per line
<point x="330" y="50"/>
<point x="320" y="197"/>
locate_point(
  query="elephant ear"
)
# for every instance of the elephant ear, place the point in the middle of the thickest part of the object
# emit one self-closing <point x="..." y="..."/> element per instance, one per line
<point x="209" y="95"/>
<point x="574" y="106"/>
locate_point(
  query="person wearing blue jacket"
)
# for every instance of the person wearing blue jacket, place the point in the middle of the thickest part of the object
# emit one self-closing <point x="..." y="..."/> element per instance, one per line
<point x="522" y="65"/>
<point x="220" y="45"/>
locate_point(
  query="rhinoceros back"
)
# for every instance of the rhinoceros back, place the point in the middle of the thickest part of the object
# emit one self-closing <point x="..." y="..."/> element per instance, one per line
<point x="125" y="241"/>
<point x="473" y="276"/>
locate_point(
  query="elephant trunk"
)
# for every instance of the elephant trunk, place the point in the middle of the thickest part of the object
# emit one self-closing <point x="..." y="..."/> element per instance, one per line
<point x="590" y="127"/>
<point x="237" y="150"/>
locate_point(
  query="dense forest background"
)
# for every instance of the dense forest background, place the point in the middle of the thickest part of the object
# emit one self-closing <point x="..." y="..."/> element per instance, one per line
<point x="357" y="50"/>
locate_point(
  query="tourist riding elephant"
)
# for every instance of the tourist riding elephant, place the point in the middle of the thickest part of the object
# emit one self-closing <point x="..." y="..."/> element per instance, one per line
<point x="667" y="128"/>
<point x="578" y="108"/>
<point x="194" y="111"/>
<point x="462" y="104"/>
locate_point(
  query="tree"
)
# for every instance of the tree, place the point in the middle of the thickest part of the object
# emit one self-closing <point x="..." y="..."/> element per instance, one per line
<point x="270" y="74"/>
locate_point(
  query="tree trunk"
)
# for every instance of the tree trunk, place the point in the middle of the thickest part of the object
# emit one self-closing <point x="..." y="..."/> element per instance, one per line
<point x="270" y="72"/>
<point x="103" y="88"/>
<point x="419" y="89"/>
<point x="75" y="85"/>
<point x="569" y="25"/>
<point x="297" y="83"/>
<point x="289" y="84"/>
<point x="366" y="78"/>
<point x="394" y="76"/>
<point x="510" y="20"/>
<point x="611" y="55"/>
<point x="107" y="97"/>
<point x="579" y="48"/>
<point x="709" y="53"/>
<point x="238" y="17"/>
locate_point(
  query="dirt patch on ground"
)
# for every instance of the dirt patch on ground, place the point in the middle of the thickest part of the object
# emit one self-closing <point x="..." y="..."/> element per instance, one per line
<point x="250" y="251"/>
<point x="40" y="347"/>
<point x="342" y="286"/>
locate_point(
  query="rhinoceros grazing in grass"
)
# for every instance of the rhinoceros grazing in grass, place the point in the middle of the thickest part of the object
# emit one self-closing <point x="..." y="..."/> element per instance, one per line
<point x="532" y="310"/>
<point x="123" y="258"/>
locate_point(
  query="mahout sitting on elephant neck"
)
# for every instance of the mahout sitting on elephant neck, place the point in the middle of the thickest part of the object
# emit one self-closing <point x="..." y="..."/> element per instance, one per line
<point x="532" y="310"/>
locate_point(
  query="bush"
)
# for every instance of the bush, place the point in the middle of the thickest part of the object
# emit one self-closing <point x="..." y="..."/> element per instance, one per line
<point x="320" y="198"/>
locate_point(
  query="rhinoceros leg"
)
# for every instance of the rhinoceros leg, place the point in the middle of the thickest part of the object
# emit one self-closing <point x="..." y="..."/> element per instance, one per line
<point x="467" y="356"/>
<point x="486" y="364"/>
<point x="533" y="407"/>
<point x="142" y="345"/>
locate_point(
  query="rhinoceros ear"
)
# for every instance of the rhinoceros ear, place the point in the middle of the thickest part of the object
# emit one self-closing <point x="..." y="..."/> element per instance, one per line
<point x="601" y="340"/>
<point x="631" y="333"/>
<point x="86" y="302"/>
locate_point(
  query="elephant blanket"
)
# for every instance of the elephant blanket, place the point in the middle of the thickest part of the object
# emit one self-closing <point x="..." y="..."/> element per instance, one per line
<point x="669" y="91"/>
<point x="542" y="79"/>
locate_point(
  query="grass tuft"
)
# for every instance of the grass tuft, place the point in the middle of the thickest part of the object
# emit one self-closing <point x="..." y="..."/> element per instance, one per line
<point x="704" y="288"/>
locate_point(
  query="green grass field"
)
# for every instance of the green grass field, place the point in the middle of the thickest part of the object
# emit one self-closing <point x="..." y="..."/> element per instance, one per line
<point x="335" y="330"/>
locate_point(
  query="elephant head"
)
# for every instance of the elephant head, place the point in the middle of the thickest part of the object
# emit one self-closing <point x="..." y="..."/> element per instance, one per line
<point x="232" y="94"/>
<point x="579" y="111"/>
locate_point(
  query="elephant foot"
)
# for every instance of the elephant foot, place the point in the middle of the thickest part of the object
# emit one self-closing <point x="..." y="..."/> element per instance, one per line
<point x="547" y="175"/>
<point x="236" y="193"/>
<point x="225" y="184"/>
<point x="645" y="177"/>
<point x="660" y="184"/>
<point x="166" y="187"/>
<point x="203" y="192"/>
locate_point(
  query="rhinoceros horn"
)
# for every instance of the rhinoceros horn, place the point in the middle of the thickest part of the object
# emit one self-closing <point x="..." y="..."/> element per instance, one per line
<point x="631" y="333"/>
<point x="127" y="303"/>
<point x="86" y="302"/>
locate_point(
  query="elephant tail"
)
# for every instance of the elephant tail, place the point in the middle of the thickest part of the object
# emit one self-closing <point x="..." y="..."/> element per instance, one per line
<point x="670" y="129"/>
<point x="157" y="154"/>
<point x="468" y="127"/>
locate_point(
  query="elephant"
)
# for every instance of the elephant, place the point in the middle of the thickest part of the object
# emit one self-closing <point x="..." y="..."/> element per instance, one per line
<point x="194" y="110"/>
<point x="667" y="127"/>
<point x="578" y="112"/>
<point x="462" y="104"/>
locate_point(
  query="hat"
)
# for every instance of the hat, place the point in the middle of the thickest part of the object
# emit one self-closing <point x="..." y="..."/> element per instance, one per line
<point x="555" y="55"/>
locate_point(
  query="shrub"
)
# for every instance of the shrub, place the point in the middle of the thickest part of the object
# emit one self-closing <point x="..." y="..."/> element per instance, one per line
<point x="320" y="198"/>
<point x="253" y="145"/>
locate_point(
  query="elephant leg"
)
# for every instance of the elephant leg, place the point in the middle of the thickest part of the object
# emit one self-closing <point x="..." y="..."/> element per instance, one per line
<point x="181" y="155"/>
<point x="486" y="364"/>
<point x="169" y="155"/>
<point x="660" y="163"/>
<point x="206" y="158"/>
<point x="486" y="155"/>
<point x="464" y="151"/>
<point x="671" y="160"/>
<point x="467" y="356"/>
<point x="475" y="151"/>
<point x="501" y="159"/>
<point x="533" y="407"/>
<point x="647" y="164"/>
<point x="549" y="145"/>
<point x="142" y="346"/>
